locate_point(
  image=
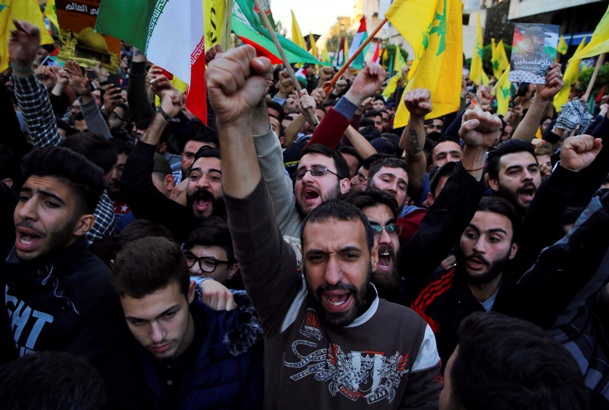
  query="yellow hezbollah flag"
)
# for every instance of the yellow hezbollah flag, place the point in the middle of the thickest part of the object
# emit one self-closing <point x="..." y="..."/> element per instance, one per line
<point x="476" y="71"/>
<point x="313" y="46"/>
<point x="214" y="12"/>
<point x="413" y="19"/>
<point x="440" y="65"/>
<point x="27" y="10"/>
<point x="50" y="11"/>
<point x="503" y="92"/>
<point x="324" y="55"/>
<point x="392" y="84"/>
<point x="495" y="59"/>
<point x="297" y="37"/>
<point x="504" y="62"/>
<point x="599" y="43"/>
<point x="570" y="78"/>
<point x="399" y="62"/>
<point x="562" y="46"/>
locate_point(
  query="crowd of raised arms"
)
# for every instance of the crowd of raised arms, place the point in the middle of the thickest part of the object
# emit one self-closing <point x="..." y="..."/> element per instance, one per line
<point x="296" y="250"/>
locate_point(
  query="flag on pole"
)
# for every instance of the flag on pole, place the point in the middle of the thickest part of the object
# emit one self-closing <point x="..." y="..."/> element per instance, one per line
<point x="392" y="85"/>
<point x="503" y="92"/>
<point x="248" y="27"/>
<point x="599" y="43"/>
<point x="360" y="36"/>
<point x="27" y="10"/>
<point x="376" y="56"/>
<point x="345" y="51"/>
<point x="297" y="37"/>
<point x="438" y="63"/>
<point x="156" y="33"/>
<point x="313" y="46"/>
<point x="504" y="62"/>
<point x="476" y="71"/>
<point x="399" y="62"/>
<point x="562" y="46"/>
<point x="570" y="78"/>
<point x="215" y="16"/>
<point x="412" y="18"/>
<point x="325" y="56"/>
<point x="50" y="12"/>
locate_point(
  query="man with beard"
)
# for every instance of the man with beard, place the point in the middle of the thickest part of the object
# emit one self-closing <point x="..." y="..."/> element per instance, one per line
<point x="203" y="191"/>
<point x="56" y="295"/>
<point x="326" y="339"/>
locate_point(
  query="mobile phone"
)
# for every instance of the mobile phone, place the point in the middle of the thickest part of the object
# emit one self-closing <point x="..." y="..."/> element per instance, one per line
<point x="115" y="80"/>
<point x="91" y="75"/>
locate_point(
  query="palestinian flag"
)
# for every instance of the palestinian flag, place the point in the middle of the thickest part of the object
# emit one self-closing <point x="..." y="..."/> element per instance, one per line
<point x="169" y="33"/>
<point x="360" y="36"/>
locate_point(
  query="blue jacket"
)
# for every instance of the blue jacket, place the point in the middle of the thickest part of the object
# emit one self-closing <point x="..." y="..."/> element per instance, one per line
<point x="222" y="369"/>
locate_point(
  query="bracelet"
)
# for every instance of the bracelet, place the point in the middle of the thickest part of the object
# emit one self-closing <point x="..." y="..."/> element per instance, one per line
<point x="167" y="117"/>
<point x="476" y="169"/>
<point x="21" y="69"/>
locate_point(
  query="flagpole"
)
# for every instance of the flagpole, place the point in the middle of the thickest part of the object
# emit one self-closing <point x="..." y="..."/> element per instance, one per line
<point x="311" y="117"/>
<point x="599" y="62"/>
<point x="226" y="26"/>
<point x="354" y="56"/>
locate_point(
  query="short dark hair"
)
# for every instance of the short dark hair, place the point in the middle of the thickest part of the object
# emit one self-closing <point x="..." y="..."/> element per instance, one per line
<point x="342" y="168"/>
<point x="345" y="149"/>
<point x="503" y="207"/>
<point x="507" y="363"/>
<point x="52" y="381"/>
<point x="206" y="152"/>
<point x="390" y="162"/>
<point x="342" y="211"/>
<point x="374" y="197"/>
<point x="212" y="231"/>
<point x="508" y="147"/>
<point x="366" y="163"/>
<point x="85" y="178"/>
<point x="147" y="265"/>
<point x="141" y="228"/>
<point x="96" y="148"/>
<point x="205" y="134"/>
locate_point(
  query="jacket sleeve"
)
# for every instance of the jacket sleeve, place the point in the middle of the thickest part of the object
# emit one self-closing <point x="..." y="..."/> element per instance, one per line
<point x="569" y="272"/>
<point x="266" y="261"/>
<point x="332" y="127"/>
<point x="145" y="201"/>
<point x="139" y="106"/>
<point x="95" y="120"/>
<point x="440" y="229"/>
<point x="278" y="182"/>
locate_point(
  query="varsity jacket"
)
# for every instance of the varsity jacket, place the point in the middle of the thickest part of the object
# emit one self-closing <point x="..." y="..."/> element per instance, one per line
<point x="385" y="359"/>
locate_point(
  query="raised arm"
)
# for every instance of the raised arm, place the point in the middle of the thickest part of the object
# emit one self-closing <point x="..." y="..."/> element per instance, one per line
<point x="236" y="83"/>
<point x="32" y="96"/>
<point x="412" y="141"/>
<point x="543" y="97"/>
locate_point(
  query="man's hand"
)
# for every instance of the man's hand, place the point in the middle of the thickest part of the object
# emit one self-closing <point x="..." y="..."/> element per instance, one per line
<point x="579" y="152"/>
<point x="47" y="76"/>
<point x="364" y="106"/>
<point x="366" y="84"/>
<point x="80" y="84"/>
<point x="236" y="82"/>
<point x="217" y="296"/>
<point x="480" y="129"/>
<point x="157" y="80"/>
<point x="212" y="53"/>
<point x="418" y="102"/>
<point x="112" y="96"/>
<point x="23" y="44"/>
<point x="554" y="83"/>
<point x="171" y="101"/>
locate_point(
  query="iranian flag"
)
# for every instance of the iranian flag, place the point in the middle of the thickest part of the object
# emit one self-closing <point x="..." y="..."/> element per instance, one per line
<point x="170" y="33"/>
<point x="358" y="40"/>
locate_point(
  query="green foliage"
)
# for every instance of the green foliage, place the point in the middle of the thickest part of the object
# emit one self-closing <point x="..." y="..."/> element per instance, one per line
<point x="602" y="79"/>
<point x="391" y="51"/>
<point x="498" y="26"/>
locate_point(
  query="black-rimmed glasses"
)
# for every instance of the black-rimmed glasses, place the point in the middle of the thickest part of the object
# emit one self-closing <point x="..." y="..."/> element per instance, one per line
<point x="206" y="264"/>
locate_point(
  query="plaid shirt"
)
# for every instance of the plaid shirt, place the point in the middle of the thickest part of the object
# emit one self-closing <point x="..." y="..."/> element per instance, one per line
<point x="37" y="111"/>
<point x="571" y="115"/>
<point x="39" y="118"/>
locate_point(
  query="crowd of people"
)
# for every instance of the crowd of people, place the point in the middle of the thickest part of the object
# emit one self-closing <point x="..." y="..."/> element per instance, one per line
<point x="296" y="249"/>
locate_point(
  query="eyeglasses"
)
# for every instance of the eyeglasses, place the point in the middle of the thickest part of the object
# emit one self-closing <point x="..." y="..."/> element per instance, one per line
<point x="391" y="229"/>
<point x="316" y="171"/>
<point x="206" y="264"/>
